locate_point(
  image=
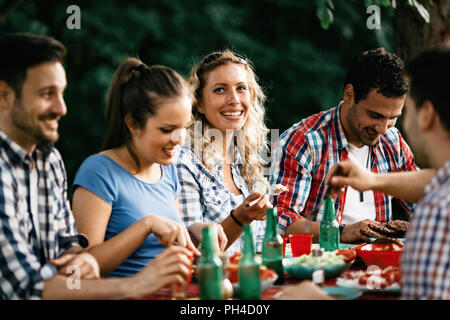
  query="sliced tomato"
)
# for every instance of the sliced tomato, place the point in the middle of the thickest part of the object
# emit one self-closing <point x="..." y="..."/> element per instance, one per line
<point x="393" y="276"/>
<point x="363" y="279"/>
<point x="232" y="273"/>
<point x="347" y="254"/>
<point x="266" y="274"/>
<point x="377" y="282"/>
<point x="350" y="275"/>
<point x="235" y="258"/>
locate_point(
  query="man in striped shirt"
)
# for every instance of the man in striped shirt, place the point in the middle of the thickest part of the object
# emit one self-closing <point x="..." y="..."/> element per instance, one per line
<point x="360" y="128"/>
<point x="426" y="255"/>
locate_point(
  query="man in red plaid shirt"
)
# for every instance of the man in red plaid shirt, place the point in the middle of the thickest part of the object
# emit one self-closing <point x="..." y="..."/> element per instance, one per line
<point x="360" y="128"/>
<point x="426" y="122"/>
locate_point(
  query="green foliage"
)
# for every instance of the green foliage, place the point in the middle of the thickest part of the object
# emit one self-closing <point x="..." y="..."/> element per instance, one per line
<point x="324" y="13"/>
<point x="300" y="65"/>
<point x="325" y="9"/>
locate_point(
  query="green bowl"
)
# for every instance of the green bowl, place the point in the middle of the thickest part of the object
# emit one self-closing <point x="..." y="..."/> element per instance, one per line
<point x="302" y="272"/>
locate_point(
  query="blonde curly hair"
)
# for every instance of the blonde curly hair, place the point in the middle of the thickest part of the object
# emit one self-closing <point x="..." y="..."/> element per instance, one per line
<point x="251" y="140"/>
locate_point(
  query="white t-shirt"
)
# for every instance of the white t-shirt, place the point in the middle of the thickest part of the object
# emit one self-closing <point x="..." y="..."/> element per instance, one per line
<point x="354" y="209"/>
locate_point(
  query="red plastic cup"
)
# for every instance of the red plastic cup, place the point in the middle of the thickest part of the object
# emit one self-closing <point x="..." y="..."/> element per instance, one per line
<point x="300" y="243"/>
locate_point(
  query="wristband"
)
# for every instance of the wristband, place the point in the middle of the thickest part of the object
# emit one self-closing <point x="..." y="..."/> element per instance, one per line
<point x="235" y="219"/>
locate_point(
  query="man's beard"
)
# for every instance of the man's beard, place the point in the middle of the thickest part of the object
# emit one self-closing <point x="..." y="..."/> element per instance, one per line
<point x="352" y="120"/>
<point x="18" y="118"/>
<point x="417" y="148"/>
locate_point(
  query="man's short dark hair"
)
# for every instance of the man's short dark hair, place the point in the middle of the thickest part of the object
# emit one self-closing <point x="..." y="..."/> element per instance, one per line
<point x="21" y="51"/>
<point x="377" y="69"/>
<point x="427" y="73"/>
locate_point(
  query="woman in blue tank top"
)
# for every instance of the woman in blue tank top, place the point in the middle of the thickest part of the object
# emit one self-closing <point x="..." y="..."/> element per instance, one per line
<point x="125" y="197"/>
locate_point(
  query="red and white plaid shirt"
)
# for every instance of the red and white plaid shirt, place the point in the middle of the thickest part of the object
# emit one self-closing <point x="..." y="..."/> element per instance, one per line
<point x="306" y="151"/>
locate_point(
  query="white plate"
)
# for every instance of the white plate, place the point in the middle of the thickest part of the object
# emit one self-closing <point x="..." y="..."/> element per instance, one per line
<point x="346" y="283"/>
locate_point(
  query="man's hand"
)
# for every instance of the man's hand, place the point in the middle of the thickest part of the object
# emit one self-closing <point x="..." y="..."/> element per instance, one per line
<point x="348" y="173"/>
<point x="86" y="262"/>
<point x="352" y="234"/>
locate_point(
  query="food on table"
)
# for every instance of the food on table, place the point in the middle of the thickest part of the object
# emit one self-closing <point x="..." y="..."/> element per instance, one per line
<point x="327" y="258"/>
<point x="382" y="228"/>
<point x="369" y="232"/>
<point x="347" y="254"/>
<point x="386" y="232"/>
<point x="279" y="188"/>
<point x="379" y="247"/>
<point x="232" y="270"/>
<point x="332" y="262"/>
<point x="398" y="225"/>
<point x="380" y="254"/>
<point x="235" y="258"/>
<point x="372" y="278"/>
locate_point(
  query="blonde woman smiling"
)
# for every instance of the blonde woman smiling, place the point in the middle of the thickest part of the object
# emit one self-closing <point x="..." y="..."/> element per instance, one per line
<point x="125" y="198"/>
<point x="221" y="162"/>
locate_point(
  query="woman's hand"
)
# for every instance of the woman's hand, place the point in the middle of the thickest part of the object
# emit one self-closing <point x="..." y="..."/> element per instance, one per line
<point x="246" y="214"/>
<point x="173" y="265"/>
<point x="169" y="232"/>
<point x="220" y="239"/>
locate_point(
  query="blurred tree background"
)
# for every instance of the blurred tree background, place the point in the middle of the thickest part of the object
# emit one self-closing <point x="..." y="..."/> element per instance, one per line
<point x="300" y="64"/>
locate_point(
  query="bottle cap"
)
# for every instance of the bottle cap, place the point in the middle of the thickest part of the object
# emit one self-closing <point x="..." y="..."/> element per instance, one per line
<point x="317" y="252"/>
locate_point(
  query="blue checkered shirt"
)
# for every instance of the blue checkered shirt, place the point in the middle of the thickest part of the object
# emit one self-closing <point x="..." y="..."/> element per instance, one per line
<point x="426" y="255"/>
<point x="205" y="198"/>
<point x="24" y="255"/>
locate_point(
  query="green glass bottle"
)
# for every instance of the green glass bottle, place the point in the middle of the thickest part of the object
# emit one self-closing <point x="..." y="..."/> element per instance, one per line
<point x="329" y="228"/>
<point x="272" y="249"/>
<point x="249" y="269"/>
<point x="210" y="269"/>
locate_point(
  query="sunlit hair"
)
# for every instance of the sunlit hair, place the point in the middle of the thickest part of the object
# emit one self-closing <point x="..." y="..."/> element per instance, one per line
<point x="138" y="91"/>
<point x="251" y="140"/>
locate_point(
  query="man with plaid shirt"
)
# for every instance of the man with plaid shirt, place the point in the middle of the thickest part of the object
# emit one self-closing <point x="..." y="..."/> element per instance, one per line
<point x="40" y="252"/>
<point x="360" y="128"/>
<point x="426" y="122"/>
